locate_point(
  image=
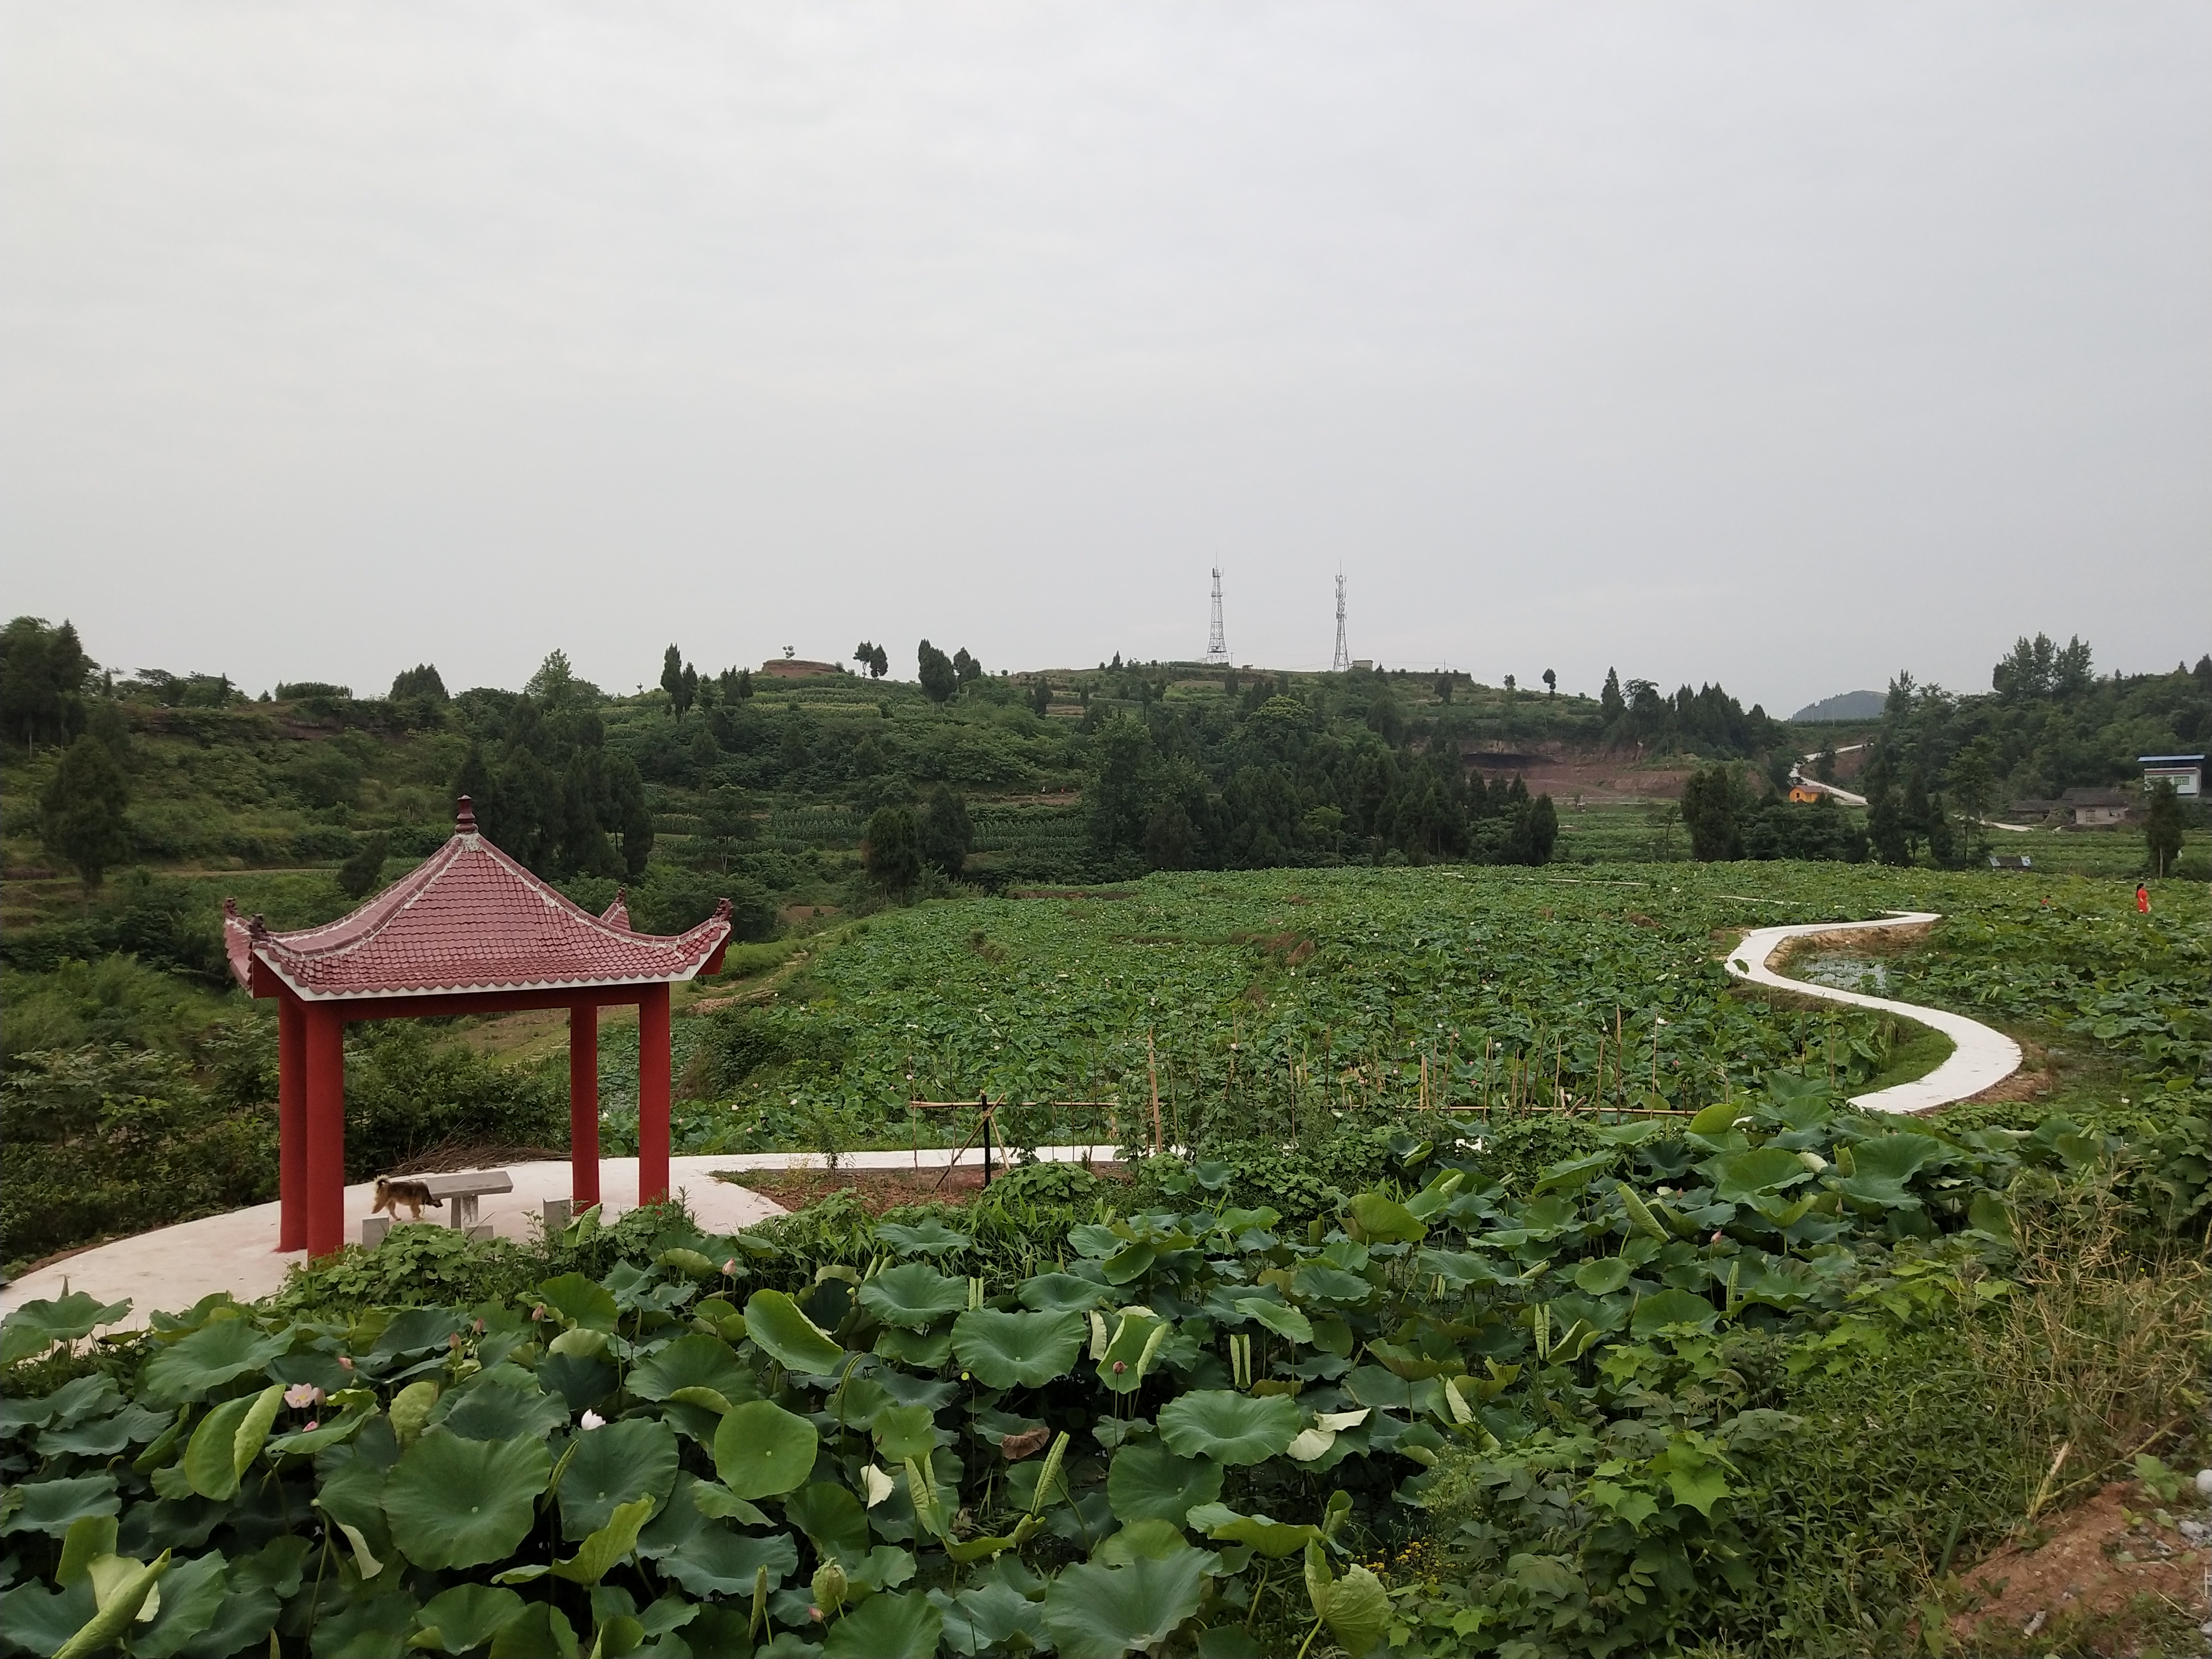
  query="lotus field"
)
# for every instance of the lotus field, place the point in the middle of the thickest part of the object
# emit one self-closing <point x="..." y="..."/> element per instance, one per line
<point x="1267" y="1003"/>
<point x="1533" y="1382"/>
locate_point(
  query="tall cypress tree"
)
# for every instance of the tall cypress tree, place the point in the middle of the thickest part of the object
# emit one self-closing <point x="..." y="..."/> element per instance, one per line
<point x="80" y="816"/>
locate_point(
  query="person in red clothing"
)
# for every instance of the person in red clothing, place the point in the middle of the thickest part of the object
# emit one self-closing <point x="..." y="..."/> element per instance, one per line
<point x="2142" y="900"/>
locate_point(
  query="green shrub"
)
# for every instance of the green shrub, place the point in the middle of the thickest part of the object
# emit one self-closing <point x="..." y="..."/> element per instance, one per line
<point x="102" y="1140"/>
<point x="409" y="1095"/>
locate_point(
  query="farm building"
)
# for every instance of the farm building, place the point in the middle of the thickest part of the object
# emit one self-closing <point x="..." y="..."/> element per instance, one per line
<point x="2185" y="772"/>
<point x="1804" y="793"/>
<point x="2093" y="808"/>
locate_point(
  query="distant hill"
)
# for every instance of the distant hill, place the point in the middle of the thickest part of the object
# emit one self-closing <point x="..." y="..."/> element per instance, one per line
<point x="1844" y="706"/>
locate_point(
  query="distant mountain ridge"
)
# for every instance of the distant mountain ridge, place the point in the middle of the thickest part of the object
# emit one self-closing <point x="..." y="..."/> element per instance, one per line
<point x="1844" y="706"/>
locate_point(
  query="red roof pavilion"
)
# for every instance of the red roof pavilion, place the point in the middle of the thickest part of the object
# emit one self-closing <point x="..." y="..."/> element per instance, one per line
<point x="470" y="931"/>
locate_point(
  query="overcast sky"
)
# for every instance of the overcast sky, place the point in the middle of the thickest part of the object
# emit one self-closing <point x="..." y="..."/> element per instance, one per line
<point x="1783" y="344"/>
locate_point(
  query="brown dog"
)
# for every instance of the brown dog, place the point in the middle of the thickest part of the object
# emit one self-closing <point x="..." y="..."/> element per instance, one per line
<point x="391" y="1194"/>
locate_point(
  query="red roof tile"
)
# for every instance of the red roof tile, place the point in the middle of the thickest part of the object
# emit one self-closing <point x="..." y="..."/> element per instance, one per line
<point x="469" y="919"/>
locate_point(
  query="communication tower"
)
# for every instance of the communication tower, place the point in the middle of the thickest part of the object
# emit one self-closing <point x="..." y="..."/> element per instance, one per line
<point x="1341" y="663"/>
<point x="1216" y="641"/>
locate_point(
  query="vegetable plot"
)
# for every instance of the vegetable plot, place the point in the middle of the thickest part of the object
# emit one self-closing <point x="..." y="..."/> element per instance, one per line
<point x="1169" y="1441"/>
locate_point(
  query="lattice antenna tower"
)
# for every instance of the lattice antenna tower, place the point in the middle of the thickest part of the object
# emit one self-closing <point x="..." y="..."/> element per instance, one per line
<point x="1216" y="641"/>
<point x="1341" y="663"/>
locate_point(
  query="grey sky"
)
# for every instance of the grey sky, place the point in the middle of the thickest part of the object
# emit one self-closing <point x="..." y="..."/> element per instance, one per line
<point x="1783" y="344"/>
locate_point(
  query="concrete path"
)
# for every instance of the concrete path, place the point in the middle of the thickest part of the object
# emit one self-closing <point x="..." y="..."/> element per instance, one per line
<point x="1980" y="1056"/>
<point x="173" y="1268"/>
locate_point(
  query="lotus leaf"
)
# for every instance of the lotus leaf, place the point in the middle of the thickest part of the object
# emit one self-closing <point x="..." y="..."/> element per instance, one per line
<point x="1229" y="1427"/>
<point x="913" y="1296"/>
<point x="1131" y="1261"/>
<point x="417" y="1331"/>
<point x="1096" y="1239"/>
<point x="1103" y="1612"/>
<point x="504" y="1403"/>
<point x="456" y="1502"/>
<point x="904" y="1627"/>
<point x="1355" y="1607"/>
<point x="580" y="1301"/>
<point x="40" y="1619"/>
<point x="210" y="1356"/>
<point x="1668" y="1307"/>
<point x="228" y="1439"/>
<point x="1882" y="1166"/>
<point x="1718" y="1118"/>
<point x="540" y="1631"/>
<point x="72" y="1402"/>
<point x="1005" y="1350"/>
<point x="1063" y="1293"/>
<point x="927" y="1350"/>
<point x="1603" y="1275"/>
<point x="582" y="1382"/>
<point x="932" y="1237"/>
<point x="1280" y="1317"/>
<point x="780" y="1330"/>
<point x="762" y="1451"/>
<point x="608" y="1546"/>
<point x="694" y="1360"/>
<point x="1378" y="1385"/>
<point x="120" y="1599"/>
<point x="37" y="1326"/>
<point x="1315" y="1282"/>
<point x="1739" y="1176"/>
<point x="468" y="1615"/>
<point x="188" y="1598"/>
<point x="50" y="1506"/>
<point x="716" y="1561"/>
<point x="1273" y="1539"/>
<point x="832" y="1519"/>
<point x="1148" y="1482"/>
<point x="1140" y="1540"/>
<point x="989" y="1616"/>
<point x="904" y="1431"/>
<point x="1385" y="1221"/>
<point x="613" y="1465"/>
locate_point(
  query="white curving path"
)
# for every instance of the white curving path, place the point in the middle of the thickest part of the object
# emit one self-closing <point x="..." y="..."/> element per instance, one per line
<point x="1980" y="1056"/>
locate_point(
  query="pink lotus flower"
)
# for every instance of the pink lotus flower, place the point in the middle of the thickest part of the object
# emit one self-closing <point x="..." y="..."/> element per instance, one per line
<point x="311" y="1426"/>
<point x="300" y="1395"/>
<point x="731" y="1266"/>
<point x="346" y="1360"/>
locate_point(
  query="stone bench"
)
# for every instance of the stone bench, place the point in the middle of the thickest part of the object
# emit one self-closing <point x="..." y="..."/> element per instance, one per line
<point x="460" y="1192"/>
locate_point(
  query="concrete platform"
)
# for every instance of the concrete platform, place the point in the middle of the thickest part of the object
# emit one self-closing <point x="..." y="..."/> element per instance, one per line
<point x="173" y="1268"/>
<point x="1980" y="1056"/>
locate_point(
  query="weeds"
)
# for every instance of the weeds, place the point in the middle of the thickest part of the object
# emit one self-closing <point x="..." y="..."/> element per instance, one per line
<point x="2105" y="1354"/>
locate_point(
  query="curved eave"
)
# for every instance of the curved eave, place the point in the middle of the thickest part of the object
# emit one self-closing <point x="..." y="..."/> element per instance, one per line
<point x="690" y="952"/>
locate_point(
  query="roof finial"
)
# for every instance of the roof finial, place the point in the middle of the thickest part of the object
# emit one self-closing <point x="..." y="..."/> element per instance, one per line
<point x="465" y="816"/>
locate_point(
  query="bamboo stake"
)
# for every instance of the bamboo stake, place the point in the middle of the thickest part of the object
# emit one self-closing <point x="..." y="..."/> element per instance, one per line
<point x="1151" y="1071"/>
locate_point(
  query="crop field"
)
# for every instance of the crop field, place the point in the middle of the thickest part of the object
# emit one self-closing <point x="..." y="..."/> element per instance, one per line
<point x="1523" y="1288"/>
<point x="1269" y="1004"/>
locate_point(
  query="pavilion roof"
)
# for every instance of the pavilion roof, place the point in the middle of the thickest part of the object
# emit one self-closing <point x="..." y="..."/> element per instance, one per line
<point x="469" y="918"/>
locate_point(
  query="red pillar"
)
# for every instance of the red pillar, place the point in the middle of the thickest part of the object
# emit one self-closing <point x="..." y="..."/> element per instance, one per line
<point x="652" y="1069"/>
<point x="325" y="1115"/>
<point x="291" y="1122"/>
<point x="584" y="1106"/>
